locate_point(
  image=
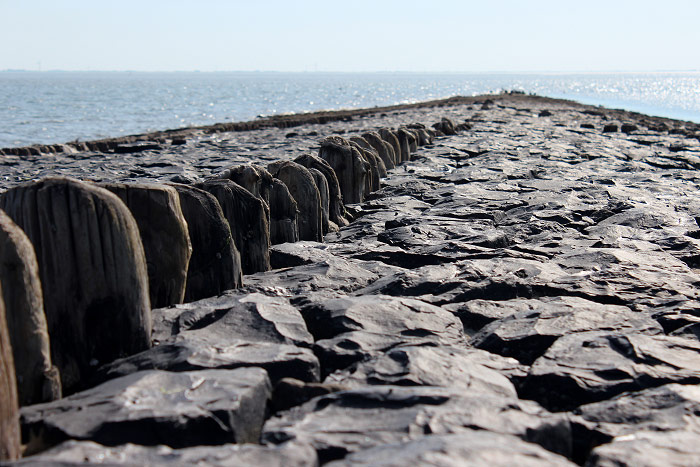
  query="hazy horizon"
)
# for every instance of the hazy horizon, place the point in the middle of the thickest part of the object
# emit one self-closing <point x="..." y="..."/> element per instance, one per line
<point x="503" y="36"/>
<point x="487" y="72"/>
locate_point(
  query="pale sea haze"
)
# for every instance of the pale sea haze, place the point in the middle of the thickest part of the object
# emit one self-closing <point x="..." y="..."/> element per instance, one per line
<point x="57" y="107"/>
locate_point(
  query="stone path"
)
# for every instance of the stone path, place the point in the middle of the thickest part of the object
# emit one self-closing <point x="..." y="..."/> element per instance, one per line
<point x="523" y="292"/>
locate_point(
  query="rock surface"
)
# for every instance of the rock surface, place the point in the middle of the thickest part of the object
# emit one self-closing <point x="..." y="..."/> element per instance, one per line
<point x="668" y="408"/>
<point x="466" y="370"/>
<point x="337" y="424"/>
<point x="526" y="335"/>
<point x="647" y="449"/>
<point x="592" y="366"/>
<point x="514" y="223"/>
<point x="37" y="378"/>
<point x="229" y="331"/>
<point x="81" y="452"/>
<point x="475" y="448"/>
<point x="157" y="407"/>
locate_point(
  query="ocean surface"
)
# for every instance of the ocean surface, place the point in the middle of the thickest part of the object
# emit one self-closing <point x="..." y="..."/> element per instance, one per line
<point x="57" y="107"/>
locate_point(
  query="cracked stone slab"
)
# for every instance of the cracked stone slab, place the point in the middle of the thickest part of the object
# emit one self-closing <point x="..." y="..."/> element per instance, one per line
<point x="526" y="335"/>
<point x="76" y="453"/>
<point x="185" y="353"/>
<point x="474" y="448"/>
<point x="587" y="367"/>
<point x="647" y="449"/>
<point x="254" y="317"/>
<point x="339" y="423"/>
<point x="465" y="369"/>
<point x="667" y="408"/>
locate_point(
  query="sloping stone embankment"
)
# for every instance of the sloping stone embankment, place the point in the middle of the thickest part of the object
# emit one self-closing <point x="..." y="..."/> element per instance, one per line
<point x="498" y="280"/>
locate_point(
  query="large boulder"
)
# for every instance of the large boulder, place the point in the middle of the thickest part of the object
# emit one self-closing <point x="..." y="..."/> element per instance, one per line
<point x="215" y="264"/>
<point x="384" y="149"/>
<point x="9" y="414"/>
<point x="92" y="269"/>
<point x="37" y="379"/>
<point x="284" y="214"/>
<point x="446" y="126"/>
<point x="422" y="134"/>
<point x="197" y="351"/>
<point x="247" y="218"/>
<point x="157" y="407"/>
<point x="166" y="241"/>
<point x="303" y="189"/>
<point x="336" y="209"/>
<point x="349" y="165"/>
<point x="333" y="273"/>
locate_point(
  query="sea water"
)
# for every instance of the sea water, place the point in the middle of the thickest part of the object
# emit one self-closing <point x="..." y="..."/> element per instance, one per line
<point x="57" y="107"/>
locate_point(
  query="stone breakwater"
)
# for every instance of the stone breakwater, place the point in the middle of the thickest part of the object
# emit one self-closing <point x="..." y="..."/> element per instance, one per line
<point x="498" y="280"/>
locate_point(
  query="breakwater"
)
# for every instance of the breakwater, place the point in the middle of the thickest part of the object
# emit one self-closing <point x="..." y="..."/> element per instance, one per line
<point x="504" y="271"/>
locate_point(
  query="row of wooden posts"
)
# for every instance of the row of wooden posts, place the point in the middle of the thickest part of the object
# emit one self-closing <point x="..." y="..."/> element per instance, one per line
<point x="83" y="264"/>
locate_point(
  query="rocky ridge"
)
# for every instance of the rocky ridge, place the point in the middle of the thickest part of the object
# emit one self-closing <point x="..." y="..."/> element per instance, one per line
<point x="515" y="281"/>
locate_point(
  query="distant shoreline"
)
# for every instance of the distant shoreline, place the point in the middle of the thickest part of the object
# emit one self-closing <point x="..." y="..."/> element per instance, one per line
<point x="54" y="107"/>
<point x="298" y="119"/>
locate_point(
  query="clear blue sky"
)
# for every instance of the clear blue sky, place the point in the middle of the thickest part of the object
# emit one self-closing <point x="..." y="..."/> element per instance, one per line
<point x="354" y="35"/>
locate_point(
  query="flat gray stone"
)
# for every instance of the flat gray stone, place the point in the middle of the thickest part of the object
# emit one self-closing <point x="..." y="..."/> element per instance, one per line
<point x="473" y="448"/>
<point x="592" y="366"/>
<point x="157" y="407"/>
<point x="254" y="317"/>
<point x="428" y="366"/>
<point x="648" y="449"/>
<point x="349" y="421"/>
<point x="668" y="408"/>
<point x="526" y="335"/>
<point x="349" y="329"/>
<point x="76" y="453"/>
<point x="190" y="353"/>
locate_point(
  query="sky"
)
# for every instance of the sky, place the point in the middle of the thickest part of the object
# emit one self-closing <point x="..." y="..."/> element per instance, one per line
<point x="354" y="35"/>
